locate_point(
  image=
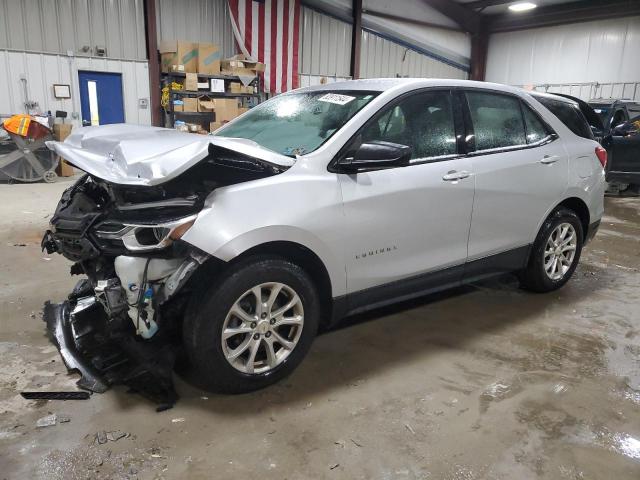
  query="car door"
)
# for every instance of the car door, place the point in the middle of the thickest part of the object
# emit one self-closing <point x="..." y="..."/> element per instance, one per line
<point x="521" y="171"/>
<point x="624" y="149"/>
<point x="406" y="222"/>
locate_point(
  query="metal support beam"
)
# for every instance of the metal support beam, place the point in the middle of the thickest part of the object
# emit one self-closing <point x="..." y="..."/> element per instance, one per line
<point x="151" y="41"/>
<point x="412" y="21"/>
<point x="356" y="38"/>
<point x="479" y="49"/>
<point x="563" y="14"/>
<point x="486" y="3"/>
<point x="466" y="18"/>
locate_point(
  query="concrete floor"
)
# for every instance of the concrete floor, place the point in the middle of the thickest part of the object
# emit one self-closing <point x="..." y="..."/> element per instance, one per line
<point x="483" y="382"/>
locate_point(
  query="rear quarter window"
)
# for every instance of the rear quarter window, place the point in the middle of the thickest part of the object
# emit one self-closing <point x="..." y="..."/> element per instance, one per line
<point x="570" y="115"/>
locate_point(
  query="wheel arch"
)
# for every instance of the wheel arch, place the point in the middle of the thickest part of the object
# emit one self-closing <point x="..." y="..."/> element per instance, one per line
<point x="580" y="208"/>
<point x="305" y="258"/>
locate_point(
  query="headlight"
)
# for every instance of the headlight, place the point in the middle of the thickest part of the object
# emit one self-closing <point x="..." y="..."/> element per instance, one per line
<point x="140" y="237"/>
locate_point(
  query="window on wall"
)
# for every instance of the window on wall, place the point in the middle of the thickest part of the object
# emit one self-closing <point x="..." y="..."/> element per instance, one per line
<point x="423" y="121"/>
<point x="497" y="120"/>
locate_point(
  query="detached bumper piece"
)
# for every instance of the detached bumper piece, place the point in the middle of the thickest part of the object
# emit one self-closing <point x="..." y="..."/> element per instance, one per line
<point x="105" y="352"/>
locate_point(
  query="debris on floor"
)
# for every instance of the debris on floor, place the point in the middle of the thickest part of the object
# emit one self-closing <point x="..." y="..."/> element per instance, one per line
<point x="48" y="421"/>
<point x="78" y="395"/>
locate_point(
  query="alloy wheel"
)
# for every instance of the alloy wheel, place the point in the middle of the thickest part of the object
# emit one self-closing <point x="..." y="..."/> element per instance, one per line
<point x="262" y="328"/>
<point x="560" y="251"/>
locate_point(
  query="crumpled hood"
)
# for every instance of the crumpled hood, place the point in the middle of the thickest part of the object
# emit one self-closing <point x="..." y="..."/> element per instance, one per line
<point x="140" y="155"/>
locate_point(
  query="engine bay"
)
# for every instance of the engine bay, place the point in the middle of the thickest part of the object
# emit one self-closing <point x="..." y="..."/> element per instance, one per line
<point x="121" y="323"/>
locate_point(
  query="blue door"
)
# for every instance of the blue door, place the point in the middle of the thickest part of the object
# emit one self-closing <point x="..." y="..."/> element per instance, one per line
<point x="101" y="98"/>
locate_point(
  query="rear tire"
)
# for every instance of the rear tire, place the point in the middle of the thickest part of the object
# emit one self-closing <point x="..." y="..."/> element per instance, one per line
<point x="555" y="252"/>
<point x="230" y="306"/>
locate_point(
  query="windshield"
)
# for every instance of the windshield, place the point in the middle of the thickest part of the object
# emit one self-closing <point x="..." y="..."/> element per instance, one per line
<point x="298" y="123"/>
<point x="602" y="111"/>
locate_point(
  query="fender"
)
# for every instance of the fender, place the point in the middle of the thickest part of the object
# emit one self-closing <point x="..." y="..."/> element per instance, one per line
<point x="275" y="233"/>
<point x="307" y="211"/>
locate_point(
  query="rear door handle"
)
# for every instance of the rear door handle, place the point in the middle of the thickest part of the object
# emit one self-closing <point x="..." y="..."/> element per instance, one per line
<point x="549" y="159"/>
<point x="452" y="176"/>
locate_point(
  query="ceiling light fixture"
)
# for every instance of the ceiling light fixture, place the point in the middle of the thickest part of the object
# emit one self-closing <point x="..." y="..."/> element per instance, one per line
<point x="522" y="6"/>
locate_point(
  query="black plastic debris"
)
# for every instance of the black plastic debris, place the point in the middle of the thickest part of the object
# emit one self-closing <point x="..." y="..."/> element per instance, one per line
<point x="75" y="395"/>
<point x="106" y="352"/>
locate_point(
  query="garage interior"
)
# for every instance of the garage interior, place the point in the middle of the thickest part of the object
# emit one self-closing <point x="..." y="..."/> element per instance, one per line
<point x="484" y="381"/>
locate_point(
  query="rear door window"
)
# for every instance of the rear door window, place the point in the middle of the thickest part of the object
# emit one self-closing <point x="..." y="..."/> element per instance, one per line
<point x="570" y="115"/>
<point x="535" y="129"/>
<point x="497" y="120"/>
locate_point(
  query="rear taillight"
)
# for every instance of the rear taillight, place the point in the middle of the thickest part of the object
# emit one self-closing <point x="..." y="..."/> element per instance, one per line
<point x="601" y="153"/>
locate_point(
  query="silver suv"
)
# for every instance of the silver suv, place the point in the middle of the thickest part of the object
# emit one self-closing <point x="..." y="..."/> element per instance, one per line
<point x="319" y="203"/>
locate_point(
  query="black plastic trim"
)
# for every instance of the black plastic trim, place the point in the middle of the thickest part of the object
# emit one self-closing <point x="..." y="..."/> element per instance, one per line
<point x="381" y="295"/>
<point x="591" y="231"/>
<point x="492" y="265"/>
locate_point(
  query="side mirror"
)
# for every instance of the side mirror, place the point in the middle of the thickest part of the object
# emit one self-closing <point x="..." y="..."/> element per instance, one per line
<point x="377" y="155"/>
<point x="626" y="129"/>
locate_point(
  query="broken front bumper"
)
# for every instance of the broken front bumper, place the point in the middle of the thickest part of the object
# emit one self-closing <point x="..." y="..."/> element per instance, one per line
<point x="106" y="352"/>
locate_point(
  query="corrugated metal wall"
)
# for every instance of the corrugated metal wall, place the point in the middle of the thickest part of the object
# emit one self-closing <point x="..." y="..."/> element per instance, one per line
<point x="43" y="70"/>
<point x="325" y="45"/>
<point x="604" y="51"/>
<point x="58" y="26"/>
<point x="380" y="57"/>
<point x="196" y="20"/>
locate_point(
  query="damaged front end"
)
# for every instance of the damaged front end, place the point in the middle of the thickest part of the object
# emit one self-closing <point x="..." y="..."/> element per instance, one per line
<point x="122" y="322"/>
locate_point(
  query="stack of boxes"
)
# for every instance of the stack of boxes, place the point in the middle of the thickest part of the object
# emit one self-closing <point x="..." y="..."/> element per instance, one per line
<point x="194" y="59"/>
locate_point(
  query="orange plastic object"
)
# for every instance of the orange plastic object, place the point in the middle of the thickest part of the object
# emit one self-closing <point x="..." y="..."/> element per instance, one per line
<point x="25" y="126"/>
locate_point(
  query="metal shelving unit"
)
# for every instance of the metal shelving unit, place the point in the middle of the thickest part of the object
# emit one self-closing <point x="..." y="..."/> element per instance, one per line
<point x="171" y="114"/>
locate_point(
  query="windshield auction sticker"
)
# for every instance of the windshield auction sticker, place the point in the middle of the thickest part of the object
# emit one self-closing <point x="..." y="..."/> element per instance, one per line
<point x="336" y="98"/>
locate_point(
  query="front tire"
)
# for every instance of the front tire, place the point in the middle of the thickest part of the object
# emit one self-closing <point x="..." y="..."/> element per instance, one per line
<point x="252" y="327"/>
<point x="555" y="252"/>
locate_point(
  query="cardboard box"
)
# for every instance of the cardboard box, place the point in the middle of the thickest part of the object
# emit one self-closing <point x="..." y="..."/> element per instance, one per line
<point x="60" y="132"/>
<point x="178" y="106"/>
<point x="189" y="104"/>
<point x="209" y="57"/>
<point x="206" y="104"/>
<point x="226" y="109"/>
<point x="177" y="68"/>
<point x="213" y="126"/>
<point x="240" y="66"/>
<point x="242" y="110"/>
<point x="176" y="52"/>
<point x="191" y="82"/>
<point x="235" y="87"/>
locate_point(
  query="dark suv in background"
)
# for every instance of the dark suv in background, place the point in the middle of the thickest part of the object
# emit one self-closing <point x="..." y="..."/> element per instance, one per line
<point x="613" y="123"/>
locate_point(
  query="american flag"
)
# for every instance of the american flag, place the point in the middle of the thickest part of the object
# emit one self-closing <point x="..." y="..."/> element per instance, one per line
<point x="267" y="31"/>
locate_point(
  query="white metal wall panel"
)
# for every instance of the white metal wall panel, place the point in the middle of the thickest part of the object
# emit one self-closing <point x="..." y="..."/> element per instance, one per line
<point x="43" y="70"/>
<point x="313" y="80"/>
<point x="57" y="26"/>
<point x="383" y="58"/>
<point x="603" y="51"/>
<point x="197" y="21"/>
<point x="325" y="45"/>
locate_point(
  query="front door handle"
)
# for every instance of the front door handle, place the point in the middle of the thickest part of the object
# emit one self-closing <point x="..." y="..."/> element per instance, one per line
<point x="549" y="159"/>
<point x="453" y="175"/>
